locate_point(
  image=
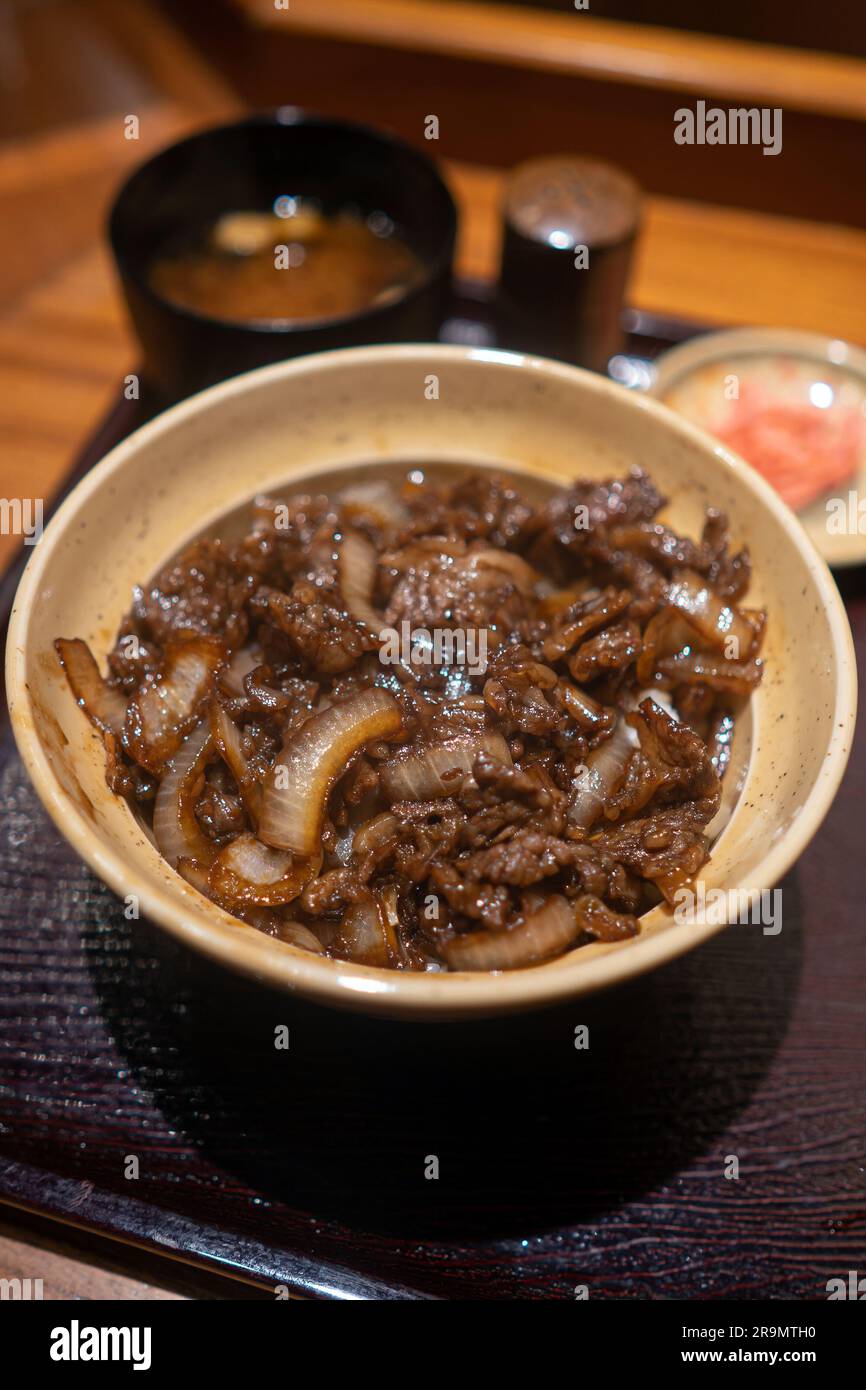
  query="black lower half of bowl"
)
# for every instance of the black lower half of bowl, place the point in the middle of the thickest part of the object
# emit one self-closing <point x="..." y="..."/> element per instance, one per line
<point x="182" y="354"/>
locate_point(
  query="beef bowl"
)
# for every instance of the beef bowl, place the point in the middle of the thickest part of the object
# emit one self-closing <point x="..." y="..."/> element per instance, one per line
<point x="430" y="681"/>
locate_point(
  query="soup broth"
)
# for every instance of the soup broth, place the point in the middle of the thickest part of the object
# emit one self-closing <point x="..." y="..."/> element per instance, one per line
<point x="260" y="267"/>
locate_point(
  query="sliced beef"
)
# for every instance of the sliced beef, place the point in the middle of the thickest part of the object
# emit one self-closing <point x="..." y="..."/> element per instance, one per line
<point x="495" y="816"/>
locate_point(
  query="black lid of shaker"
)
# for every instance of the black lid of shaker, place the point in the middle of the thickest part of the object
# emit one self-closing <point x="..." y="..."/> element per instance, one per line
<point x="552" y="208"/>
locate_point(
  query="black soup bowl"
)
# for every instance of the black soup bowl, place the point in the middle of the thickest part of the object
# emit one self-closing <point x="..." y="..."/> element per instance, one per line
<point x="173" y="199"/>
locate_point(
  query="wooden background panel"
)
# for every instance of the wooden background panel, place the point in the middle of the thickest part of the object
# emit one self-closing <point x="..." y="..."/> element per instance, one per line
<point x="837" y="29"/>
<point x="496" y="114"/>
<point x="580" y="43"/>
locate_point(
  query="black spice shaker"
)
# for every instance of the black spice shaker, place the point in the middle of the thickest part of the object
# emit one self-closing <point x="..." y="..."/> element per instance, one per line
<point x="568" y="233"/>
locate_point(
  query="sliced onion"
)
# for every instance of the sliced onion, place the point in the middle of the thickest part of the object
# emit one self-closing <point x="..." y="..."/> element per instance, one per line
<point x="390" y="916"/>
<point x="268" y="697"/>
<point x="378" y="500"/>
<point x="195" y="873"/>
<point x="264" y="919"/>
<point x="421" y="776"/>
<point x="604" y="770"/>
<point x="249" y="872"/>
<point x="362" y="937"/>
<point x="708" y="614"/>
<point x="374" y="833"/>
<point x="311" y="760"/>
<point x="270" y="923"/>
<point x="698" y="668"/>
<point x="164" y="709"/>
<point x="546" y="932"/>
<point x="666" y="632"/>
<point x="296" y="934"/>
<point x="514" y="566"/>
<point x="102" y="703"/>
<point x="177" y="831"/>
<point x="231" y="678"/>
<point x="588" y="714"/>
<point x="358" y="565"/>
<point x="227" y="737"/>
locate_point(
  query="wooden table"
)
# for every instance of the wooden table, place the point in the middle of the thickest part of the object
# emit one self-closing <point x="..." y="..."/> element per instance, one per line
<point x="65" y="344"/>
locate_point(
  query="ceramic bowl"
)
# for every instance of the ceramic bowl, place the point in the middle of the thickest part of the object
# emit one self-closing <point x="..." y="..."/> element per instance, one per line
<point x="369" y="408"/>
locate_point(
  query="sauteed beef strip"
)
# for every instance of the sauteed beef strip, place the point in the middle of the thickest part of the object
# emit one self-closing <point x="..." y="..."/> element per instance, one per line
<point x="406" y="806"/>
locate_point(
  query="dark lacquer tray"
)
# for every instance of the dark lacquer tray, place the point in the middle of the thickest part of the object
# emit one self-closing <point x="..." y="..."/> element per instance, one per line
<point x="558" y="1168"/>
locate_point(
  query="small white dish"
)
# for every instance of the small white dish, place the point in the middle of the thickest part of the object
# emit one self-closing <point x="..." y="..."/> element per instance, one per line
<point x="795" y="400"/>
